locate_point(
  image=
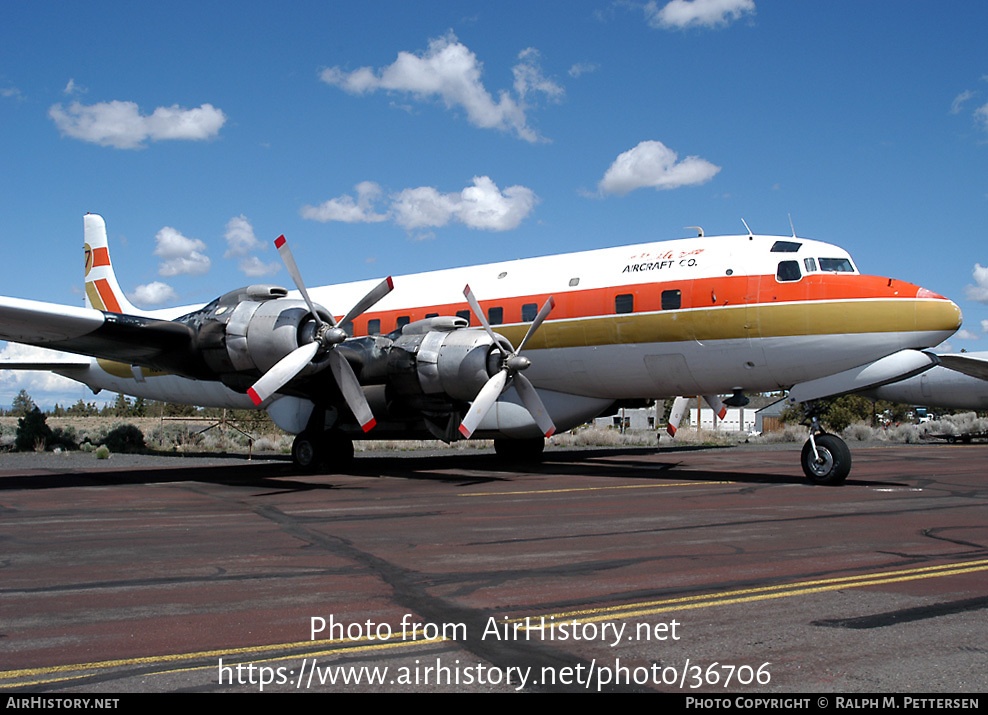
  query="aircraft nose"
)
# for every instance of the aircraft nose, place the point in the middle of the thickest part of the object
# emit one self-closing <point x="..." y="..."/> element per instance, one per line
<point x="937" y="314"/>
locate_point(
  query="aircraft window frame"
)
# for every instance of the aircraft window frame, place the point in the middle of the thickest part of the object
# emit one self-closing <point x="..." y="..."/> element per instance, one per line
<point x="374" y="326"/>
<point x="465" y="314"/>
<point x="529" y="311"/>
<point x="785" y="247"/>
<point x="845" y="265"/>
<point x="624" y="303"/>
<point x="574" y="282"/>
<point x="495" y="315"/>
<point x="672" y="299"/>
<point x="788" y="276"/>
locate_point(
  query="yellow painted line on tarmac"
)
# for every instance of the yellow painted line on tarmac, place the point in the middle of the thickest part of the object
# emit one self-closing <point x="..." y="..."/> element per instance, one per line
<point x="396" y="640"/>
<point x="589" y="489"/>
<point x="768" y="592"/>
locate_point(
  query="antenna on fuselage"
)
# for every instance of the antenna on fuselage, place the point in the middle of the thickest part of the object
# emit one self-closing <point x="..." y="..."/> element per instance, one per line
<point x="750" y="234"/>
<point x="699" y="229"/>
<point x="792" y="227"/>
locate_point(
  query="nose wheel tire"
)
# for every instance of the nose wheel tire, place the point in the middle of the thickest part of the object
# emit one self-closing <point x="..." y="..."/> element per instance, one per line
<point x="831" y="465"/>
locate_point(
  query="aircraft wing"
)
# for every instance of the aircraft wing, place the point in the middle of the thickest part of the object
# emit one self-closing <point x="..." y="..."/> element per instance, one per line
<point x="86" y="331"/>
<point x="971" y="364"/>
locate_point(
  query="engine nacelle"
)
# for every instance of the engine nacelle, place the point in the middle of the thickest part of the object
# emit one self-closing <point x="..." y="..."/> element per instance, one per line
<point x="447" y="362"/>
<point x="245" y="332"/>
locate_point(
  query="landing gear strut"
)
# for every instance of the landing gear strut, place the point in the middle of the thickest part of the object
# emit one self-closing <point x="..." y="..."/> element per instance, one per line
<point x="825" y="458"/>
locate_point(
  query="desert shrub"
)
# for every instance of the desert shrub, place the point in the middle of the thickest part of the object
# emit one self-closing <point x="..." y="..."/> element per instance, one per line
<point x="102" y="452"/>
<point x="32" y="432"/>
<point x="125" y="438"/>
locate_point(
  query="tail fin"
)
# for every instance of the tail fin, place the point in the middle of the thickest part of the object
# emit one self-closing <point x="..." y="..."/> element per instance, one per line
<point x="102" y="290"/>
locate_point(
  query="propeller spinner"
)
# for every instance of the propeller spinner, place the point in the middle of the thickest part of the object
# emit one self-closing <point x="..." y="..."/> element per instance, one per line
<point x="327" y="336"/>
<point x="512" y="364"/>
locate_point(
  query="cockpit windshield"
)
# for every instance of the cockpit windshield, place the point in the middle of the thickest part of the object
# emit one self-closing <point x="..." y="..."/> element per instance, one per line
<point x="836" y="265"/>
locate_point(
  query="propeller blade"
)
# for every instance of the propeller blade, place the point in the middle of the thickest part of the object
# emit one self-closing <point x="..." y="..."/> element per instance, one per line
<point x="483" y="402"/>
<point x="533" y="403"/>
<point x="281" y="243"/>
<point x="676" y="414"/>
<point x="478" y="311"/>
<point x="347" y="381"/>
<point x="543" y="313"/>
<point x="283" y="371"/>
<point x="376" y="293"/>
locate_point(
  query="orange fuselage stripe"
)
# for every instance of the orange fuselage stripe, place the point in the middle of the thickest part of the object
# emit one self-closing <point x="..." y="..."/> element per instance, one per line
<point x="757" y="296"/>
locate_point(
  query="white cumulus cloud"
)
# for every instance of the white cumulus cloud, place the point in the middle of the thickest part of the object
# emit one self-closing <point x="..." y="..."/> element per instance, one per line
<point x="154" y="293"/>
<point x="254" y="267"/>
<point x="181" y="255"/>
<point x="121" y="124"/>
<point x="450" y="72"/>
<point x="345" y="209"/>
<point x="979" y="291"/>
<point x="482" y="206"/>
<point x="681" y="14"/>
<point x="653" y="164"/>
<point x="240" y="238"/>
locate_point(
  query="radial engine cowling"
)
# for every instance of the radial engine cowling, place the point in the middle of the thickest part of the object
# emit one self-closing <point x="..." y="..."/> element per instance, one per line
<point x="246" y="332"/>
<point x="455" y="363"/>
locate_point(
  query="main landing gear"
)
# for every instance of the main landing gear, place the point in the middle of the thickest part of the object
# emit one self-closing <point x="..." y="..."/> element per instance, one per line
<point x="825" y="458"/>
<point x="519" y="450"/>
<point x="312" y="450"/>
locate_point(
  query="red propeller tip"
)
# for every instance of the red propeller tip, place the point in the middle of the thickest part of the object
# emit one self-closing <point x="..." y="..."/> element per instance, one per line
<point x="255" y="398"/>
<point x="280" y="241"/>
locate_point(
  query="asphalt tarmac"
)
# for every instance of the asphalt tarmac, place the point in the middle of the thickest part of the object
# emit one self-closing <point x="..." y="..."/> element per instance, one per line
<point x="698" y="571"/>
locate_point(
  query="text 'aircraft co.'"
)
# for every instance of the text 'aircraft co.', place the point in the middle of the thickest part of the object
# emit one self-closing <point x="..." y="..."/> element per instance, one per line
<point x="513" y="351"/>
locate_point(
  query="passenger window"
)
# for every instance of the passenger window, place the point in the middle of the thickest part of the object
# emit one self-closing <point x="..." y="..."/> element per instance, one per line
<point x="495" y="316"/>
<point x="528" y="312"/>
<point x="573" y="282"/>
<point x="624" y="303"/>
<point x="788" y="271"/>
<point x="348" y="328"/>
<point x="432" y="315"/>
<point x="672" y="299"/>
<point x="810" y="264"/>
<point x="374" y="326"/>
<point x="465" y="314"/>
<point x="403" y="320"/>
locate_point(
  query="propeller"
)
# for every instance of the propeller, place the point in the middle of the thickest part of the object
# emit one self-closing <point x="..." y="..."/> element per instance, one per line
<point x="327" y="336"/>
<point x="512" y="364"/>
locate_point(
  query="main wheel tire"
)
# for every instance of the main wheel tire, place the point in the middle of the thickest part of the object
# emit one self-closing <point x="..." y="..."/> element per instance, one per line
<point x="520" y="450"/>
<point x="306" y="452"/>
<point x="834" y="464"/>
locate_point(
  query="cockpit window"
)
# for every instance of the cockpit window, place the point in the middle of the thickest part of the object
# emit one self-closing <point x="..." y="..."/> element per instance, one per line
<point x="785" y="247"/>
<point x="837" y="265"/>
<point x="788" y="271"/>
<point x="809" y="264"/>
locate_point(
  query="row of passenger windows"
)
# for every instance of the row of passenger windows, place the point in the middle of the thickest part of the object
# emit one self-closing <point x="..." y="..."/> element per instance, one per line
<point x="623" y="303"/>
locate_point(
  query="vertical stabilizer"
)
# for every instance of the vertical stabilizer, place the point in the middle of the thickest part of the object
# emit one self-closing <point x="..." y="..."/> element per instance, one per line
<point x="102" y="290"/>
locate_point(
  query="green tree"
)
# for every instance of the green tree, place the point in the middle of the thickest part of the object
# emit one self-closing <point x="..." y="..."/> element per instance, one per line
<point x="22" y="404"/>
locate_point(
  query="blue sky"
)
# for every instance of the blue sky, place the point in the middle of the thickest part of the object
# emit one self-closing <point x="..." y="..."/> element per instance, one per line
<point x="392" y="137"/>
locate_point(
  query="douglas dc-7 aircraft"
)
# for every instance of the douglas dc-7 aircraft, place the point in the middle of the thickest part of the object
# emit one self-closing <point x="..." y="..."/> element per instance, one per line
<point x="699" y="316"/>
